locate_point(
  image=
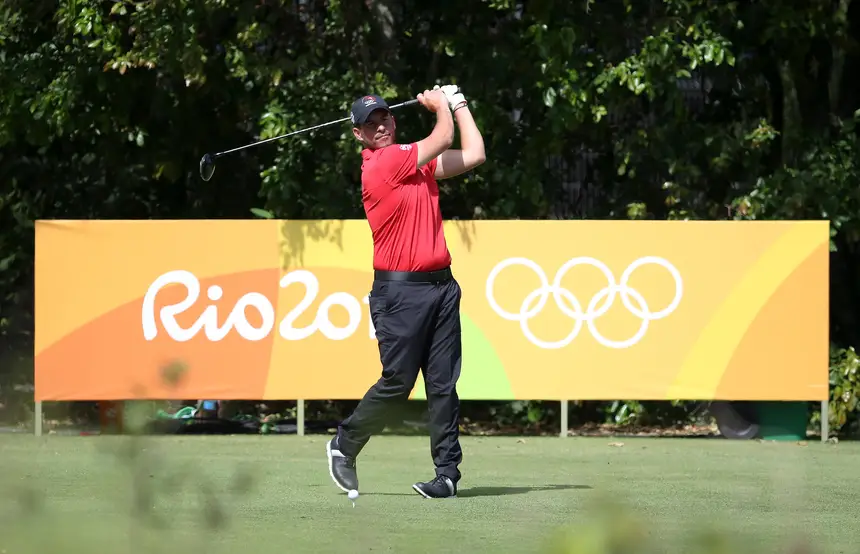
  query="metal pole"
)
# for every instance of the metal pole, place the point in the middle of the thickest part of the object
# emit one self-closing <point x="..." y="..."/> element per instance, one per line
<point x="38" y="422"/>
<point x="564" y="427"/>
<point x="300" y="418"/>
<point x="825" y="420"/>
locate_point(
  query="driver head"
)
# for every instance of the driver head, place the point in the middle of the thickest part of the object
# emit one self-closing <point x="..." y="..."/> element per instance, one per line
<point x="207" y="166"/>
<point x="373" y="123"/>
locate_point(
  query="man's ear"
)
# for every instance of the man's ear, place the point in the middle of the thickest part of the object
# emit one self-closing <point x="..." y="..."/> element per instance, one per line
<point x="357" y="134"/>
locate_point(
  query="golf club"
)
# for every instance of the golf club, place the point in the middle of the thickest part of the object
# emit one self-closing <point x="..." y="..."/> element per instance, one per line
<point x="207" y="162"/>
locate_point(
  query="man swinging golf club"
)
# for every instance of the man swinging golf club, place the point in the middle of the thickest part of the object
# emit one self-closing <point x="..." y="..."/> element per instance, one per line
<point x="414" y="299"/>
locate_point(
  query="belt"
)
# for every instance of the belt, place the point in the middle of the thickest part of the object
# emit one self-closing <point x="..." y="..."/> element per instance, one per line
<point x="414" y="276"/>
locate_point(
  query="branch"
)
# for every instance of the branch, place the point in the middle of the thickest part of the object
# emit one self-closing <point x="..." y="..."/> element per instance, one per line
<point x="791" y="118"/>
<point x="837" y="67"/>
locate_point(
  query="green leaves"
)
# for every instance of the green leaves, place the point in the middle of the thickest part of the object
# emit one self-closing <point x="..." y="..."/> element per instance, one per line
<point x="670" y="109"/>
<point x="844" y="387"/>
<point x="264" y="214"/>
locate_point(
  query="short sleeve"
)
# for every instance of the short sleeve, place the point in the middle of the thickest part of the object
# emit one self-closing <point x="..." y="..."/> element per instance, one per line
<point x="397" y="162"/>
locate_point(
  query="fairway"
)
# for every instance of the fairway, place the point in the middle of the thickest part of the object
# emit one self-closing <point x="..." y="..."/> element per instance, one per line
<point x="263" y="494"/>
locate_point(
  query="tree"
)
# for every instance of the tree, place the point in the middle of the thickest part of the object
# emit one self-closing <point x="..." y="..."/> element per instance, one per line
<point x="681" y="109"/>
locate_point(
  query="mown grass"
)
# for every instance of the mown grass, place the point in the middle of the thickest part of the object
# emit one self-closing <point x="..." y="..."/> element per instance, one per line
<point x="260" y="494"/>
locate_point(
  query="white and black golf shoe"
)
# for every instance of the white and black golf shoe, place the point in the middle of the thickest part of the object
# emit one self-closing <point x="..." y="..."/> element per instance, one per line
<point x="440" y="487"/>
<point x="341" y="467"/>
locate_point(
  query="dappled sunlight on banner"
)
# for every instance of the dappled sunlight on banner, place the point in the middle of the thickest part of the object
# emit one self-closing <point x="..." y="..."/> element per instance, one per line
<point x="551" y="309"/>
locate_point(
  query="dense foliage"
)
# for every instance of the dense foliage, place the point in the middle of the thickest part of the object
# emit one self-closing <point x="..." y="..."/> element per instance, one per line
<point x="675" y="109"/>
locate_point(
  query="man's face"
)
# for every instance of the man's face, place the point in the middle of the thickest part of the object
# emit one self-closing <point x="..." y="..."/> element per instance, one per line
<point x="377" y="131"/>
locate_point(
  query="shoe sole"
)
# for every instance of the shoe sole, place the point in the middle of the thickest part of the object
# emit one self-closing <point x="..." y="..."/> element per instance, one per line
<point x="331" y="467"/>
<point x="417" y="489"/>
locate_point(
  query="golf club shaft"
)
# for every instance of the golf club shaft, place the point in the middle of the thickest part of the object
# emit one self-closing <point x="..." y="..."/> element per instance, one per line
<point x="341" y="120"/>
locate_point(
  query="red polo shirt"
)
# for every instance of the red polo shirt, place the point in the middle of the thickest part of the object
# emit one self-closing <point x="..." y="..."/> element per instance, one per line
<point x="401" y="201"/>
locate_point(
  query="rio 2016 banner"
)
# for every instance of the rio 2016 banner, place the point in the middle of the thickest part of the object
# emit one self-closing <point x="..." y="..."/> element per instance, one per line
<point x="554" y="310"/>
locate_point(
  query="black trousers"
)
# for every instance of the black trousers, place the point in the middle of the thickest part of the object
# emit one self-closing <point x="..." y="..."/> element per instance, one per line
<point x="417" y="326"/>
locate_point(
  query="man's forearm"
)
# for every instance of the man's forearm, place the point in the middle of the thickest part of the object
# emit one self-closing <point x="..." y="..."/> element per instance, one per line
<point x="471" y="140"/>
<point x="444" y="128"/>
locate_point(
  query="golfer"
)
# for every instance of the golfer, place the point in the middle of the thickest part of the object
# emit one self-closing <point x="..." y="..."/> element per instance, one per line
<point x="414" y="299"/>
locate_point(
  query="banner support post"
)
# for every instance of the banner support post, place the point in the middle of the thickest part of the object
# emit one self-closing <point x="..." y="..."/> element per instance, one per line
<point x="300" y="418"/>
<point x="563" y="431"/>
<point x="38" y="418"/>
<point x="825" y="420"/>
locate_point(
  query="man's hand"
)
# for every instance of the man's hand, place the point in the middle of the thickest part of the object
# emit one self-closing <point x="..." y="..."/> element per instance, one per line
<point x="453" y="94"/>
<point x="434" y="100"/>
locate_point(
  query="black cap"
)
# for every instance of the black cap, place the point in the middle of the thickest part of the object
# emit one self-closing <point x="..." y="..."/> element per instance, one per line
<point x="362" y="108"/>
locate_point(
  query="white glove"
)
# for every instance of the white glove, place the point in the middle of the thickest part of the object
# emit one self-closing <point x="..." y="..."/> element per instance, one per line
<point x="453" y="94"/>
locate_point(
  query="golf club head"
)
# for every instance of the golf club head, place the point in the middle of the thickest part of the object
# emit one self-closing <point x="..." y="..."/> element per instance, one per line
<point x="207" y="166"/>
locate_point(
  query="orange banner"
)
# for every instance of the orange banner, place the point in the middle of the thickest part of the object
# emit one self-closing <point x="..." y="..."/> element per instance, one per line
<point x="265" y="309"/>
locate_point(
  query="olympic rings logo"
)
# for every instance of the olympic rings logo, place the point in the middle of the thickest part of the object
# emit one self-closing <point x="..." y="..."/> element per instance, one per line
<point x="595" y="308"/>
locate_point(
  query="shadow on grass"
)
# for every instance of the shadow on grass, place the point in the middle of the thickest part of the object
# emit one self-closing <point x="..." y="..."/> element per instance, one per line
<point x="473" y="492"/>
<point x="504" y="491"/>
